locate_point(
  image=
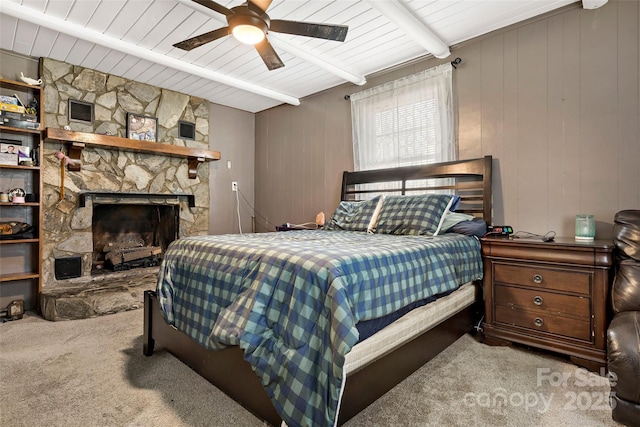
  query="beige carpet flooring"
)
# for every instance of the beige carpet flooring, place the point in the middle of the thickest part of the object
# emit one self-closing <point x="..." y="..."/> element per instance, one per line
<point x="92" y="373"/>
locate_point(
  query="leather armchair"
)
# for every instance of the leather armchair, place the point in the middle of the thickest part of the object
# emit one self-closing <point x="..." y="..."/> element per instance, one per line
<point x="623" y="334"/>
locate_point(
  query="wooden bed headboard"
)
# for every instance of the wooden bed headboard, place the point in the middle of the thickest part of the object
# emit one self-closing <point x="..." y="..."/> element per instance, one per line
<point x="471" y="181"/>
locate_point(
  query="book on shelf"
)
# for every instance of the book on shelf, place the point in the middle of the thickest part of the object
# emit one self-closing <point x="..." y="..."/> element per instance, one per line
<point x="12" y="107"/>
<point x="21" y="124"/>
<point x="8" y="99"/>
<point x="18" y="116"/>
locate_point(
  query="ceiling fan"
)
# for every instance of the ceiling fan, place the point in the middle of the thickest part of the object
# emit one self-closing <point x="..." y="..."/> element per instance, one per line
<point x="249" y="24"/>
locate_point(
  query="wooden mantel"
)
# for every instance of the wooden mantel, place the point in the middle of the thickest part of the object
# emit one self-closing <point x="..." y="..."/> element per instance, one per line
<point x="77" y="141"/>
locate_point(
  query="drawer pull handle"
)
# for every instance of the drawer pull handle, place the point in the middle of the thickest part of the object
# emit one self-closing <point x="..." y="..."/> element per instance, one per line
<point x="537" y="278"/>
<point x="538" y="321"/>
<point x="537" y="300"/>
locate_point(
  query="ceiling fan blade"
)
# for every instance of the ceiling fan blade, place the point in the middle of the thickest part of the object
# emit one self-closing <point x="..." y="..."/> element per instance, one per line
<point x="269" y="55"/>
<point x="310" y="29"/>
<point x="210" y="4"/>
<point x="196" y="41"/>
<point x="259" y="6"/>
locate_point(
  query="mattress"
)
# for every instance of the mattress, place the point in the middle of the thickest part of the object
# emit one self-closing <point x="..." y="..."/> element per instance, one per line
<point x="408" y="327"/>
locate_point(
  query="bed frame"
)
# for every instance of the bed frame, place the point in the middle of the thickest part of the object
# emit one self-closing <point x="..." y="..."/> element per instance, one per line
<point x="229" y="372"/>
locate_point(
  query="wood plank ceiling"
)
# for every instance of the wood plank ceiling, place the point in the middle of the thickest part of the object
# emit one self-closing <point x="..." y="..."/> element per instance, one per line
<point x="134" y="38"/>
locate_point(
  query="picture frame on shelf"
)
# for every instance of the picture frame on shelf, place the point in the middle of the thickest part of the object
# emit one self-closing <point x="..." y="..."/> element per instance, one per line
<point x="10" y="147"/>
<point x="141" y="127"/>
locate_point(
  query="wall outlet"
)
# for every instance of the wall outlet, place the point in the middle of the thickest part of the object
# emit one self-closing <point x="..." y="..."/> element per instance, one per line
<point x="234" y="185"/>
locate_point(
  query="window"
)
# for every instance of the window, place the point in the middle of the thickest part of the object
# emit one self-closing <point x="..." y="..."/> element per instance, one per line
<point x="405" y="122"/>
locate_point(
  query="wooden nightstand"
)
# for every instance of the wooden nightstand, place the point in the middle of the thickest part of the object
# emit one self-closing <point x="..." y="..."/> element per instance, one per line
<point x="550" y="295"/>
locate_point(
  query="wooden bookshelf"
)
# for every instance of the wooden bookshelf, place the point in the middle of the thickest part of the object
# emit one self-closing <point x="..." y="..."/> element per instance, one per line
<point x="21" y="259"/>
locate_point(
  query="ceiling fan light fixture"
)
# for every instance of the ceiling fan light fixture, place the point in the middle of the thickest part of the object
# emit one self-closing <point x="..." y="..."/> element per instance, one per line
<point x="248" y="34"/>
<point x="248" y="29"/>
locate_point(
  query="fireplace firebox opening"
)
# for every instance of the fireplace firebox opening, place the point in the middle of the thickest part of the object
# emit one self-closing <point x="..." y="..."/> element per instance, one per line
<point x="129" y="236"/>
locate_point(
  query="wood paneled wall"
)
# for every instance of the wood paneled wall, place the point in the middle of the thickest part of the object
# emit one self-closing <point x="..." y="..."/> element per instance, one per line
<point x="232" y="133"/>
<point x="300" y="155"/>
<point x="555" y="100"/>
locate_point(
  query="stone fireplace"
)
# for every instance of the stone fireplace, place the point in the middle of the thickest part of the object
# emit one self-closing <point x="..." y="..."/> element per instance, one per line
<point x="152" y="192"/>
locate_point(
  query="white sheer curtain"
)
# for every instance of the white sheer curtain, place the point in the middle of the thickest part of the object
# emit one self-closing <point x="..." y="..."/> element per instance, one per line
<point x="408" y="121"/>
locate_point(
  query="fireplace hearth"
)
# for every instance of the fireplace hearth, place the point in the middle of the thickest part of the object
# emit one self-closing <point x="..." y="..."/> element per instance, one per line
<point x="127" y="235"/>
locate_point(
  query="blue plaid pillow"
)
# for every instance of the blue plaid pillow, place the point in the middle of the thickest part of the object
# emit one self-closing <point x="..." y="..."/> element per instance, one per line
<point x="415" y="215"/>
<point x="352" y="216"/>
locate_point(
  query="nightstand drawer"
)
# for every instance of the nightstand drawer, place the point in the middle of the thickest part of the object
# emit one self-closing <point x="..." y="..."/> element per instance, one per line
<point x="544" y="322"/>
<point x="547" y="278"/>
<point x="544" y="302"/>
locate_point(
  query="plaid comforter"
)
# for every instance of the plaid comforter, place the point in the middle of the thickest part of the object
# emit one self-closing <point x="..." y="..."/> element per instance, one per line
<point x="291" y="300"/>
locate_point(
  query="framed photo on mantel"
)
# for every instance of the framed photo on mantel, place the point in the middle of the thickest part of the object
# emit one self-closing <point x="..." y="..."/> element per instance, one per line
<point x="142" y="128"/>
